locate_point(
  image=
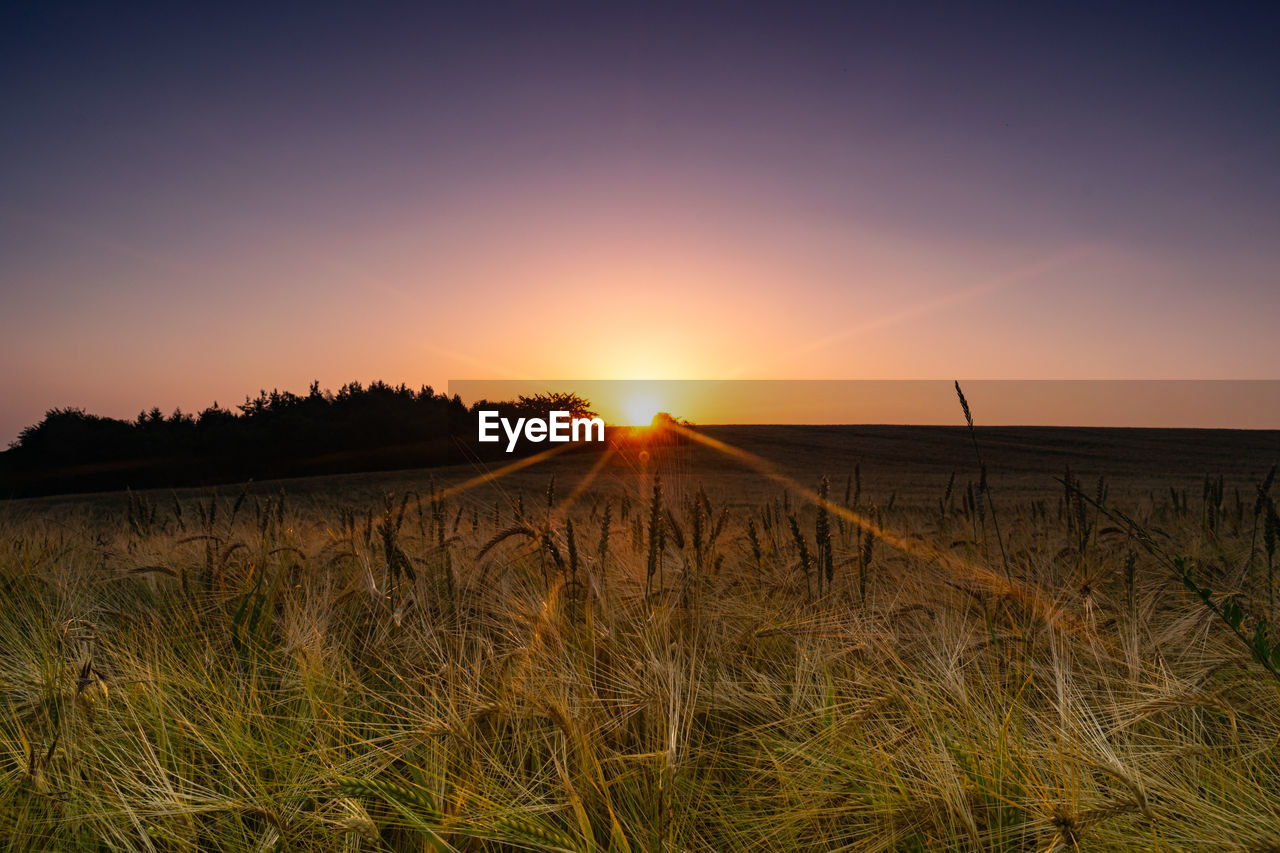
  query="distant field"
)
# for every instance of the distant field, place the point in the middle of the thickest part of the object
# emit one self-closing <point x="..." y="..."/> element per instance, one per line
<point x="662" y="646"/>
<point x="913" y="462"/>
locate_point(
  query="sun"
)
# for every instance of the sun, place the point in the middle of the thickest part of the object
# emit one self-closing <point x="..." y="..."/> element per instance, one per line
<point x="640" y="408"/>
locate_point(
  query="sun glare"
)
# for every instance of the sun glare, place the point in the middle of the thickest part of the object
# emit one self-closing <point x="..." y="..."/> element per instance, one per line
<point x="640" y="409"/>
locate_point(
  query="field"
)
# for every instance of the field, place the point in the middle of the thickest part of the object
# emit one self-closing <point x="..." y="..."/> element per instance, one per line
<point x="752" y="638"/>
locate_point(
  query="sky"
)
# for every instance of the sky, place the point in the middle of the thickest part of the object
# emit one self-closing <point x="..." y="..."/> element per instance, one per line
<point x="1160" y="403"/>
<point x="198" y="202"/>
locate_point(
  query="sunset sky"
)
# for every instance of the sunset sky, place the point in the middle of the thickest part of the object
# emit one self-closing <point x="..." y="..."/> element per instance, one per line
<point x="196" y="205"/>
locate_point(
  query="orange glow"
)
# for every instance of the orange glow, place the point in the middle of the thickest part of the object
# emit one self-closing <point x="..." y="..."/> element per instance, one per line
<point x="640" y="408"/>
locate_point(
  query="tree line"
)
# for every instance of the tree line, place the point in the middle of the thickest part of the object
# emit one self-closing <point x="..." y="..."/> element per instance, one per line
<point x="276" y="434"/>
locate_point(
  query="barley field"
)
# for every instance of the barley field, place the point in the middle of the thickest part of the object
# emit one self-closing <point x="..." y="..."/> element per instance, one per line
<point x="765" y="638"/>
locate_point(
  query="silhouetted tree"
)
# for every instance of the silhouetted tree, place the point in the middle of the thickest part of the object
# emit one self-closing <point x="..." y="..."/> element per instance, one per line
<point x="275" y="434"/>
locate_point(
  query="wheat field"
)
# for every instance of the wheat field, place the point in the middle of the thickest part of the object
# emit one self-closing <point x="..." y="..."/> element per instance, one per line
<point x="657" y="648"/>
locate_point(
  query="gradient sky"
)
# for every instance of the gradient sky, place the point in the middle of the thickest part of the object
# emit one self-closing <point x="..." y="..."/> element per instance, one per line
<point x="195" y="204"/>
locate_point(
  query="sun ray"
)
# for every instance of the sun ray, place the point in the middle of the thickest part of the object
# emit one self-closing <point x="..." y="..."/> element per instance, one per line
<point x="499" y="473"/>
<point x="1017" y="275"/>
<point x="563" y="508"/>
<point x="913" y="547"/>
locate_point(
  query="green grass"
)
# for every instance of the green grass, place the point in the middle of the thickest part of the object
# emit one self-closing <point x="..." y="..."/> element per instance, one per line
<point x="335" y="669"/>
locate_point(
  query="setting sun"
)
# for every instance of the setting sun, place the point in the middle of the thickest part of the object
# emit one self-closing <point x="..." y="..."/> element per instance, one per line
<point x="640" y="408"/>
